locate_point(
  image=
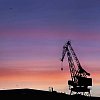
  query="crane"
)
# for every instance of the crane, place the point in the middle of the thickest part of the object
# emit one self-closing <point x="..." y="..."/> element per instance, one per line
<point x="80" y="81"/>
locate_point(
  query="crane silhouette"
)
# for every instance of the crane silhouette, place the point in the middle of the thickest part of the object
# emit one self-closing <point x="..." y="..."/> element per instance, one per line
<point x="80" y="82"/>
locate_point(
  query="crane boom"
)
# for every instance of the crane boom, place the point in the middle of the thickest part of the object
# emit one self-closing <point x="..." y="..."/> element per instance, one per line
<point x="68" y="48"/>
<point x="70" y="61"/>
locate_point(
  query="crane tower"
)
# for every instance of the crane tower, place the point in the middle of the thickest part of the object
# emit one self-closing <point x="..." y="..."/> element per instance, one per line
<point x="79" y="83"/>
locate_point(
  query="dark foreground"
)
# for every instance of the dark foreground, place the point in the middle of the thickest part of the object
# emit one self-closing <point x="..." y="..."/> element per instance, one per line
<point x="31" y="94"/>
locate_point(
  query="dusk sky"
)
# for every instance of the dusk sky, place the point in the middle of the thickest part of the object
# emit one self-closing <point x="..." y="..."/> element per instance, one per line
<point x="32" y="34"/>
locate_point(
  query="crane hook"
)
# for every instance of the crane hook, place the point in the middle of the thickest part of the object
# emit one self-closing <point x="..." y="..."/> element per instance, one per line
<point x="61" y="66"/>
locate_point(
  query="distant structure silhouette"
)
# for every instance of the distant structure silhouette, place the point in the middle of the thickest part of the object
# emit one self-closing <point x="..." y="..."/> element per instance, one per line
<point x="51" y="89"/>
<point x="79" y="83"/>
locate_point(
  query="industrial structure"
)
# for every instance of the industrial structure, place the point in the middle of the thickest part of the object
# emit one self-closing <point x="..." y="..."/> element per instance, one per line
<point x="79" y="83"/>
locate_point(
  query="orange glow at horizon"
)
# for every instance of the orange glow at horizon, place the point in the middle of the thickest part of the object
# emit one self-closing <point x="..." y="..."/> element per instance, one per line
<point x="39" y="79"/>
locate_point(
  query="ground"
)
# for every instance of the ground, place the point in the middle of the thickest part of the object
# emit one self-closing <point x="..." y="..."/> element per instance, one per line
<point x="40" y="94"/>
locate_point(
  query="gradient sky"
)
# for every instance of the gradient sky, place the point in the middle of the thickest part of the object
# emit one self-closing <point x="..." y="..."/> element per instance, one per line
<point x="32" y="34"/>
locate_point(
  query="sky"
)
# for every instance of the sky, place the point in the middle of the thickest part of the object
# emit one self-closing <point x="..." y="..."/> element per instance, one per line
<point x="32" y="34"/>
